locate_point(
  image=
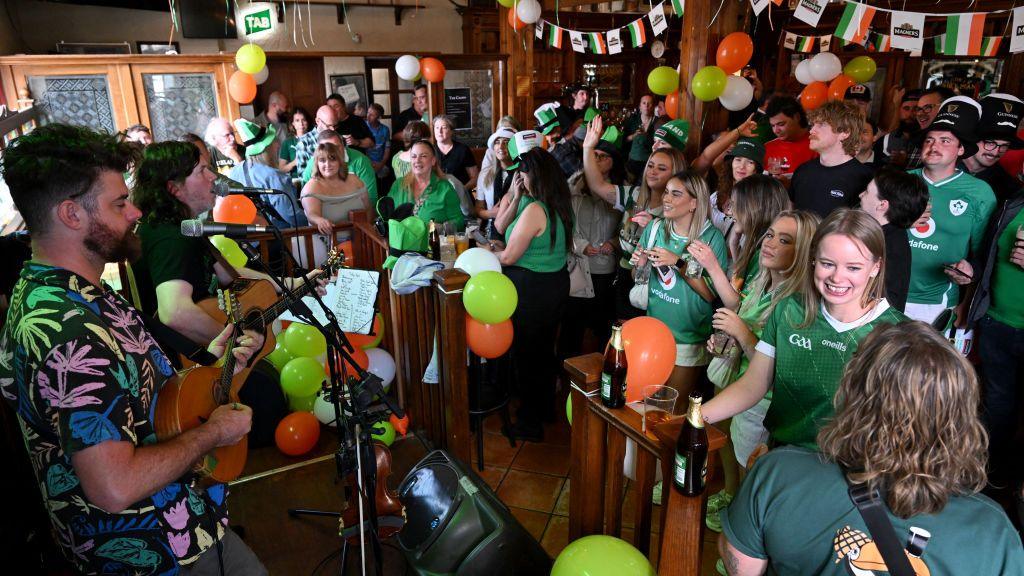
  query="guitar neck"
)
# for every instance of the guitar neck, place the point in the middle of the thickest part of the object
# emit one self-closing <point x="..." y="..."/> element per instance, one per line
<point x="277" y="308"/>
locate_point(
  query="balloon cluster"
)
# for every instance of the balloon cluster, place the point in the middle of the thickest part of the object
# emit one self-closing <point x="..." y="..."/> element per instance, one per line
<point x="720" y="81"/>
<point x="251" y="62"/>
<point x="301" y="358"/>
<point x="411" y="68"/>
<point x="234" y="209"/>
<point x="827" y="79"/>
<point x="490" y="299"/>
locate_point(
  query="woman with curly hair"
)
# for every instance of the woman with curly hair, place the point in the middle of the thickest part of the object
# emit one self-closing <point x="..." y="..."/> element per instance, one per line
<point x="906" y="425"/>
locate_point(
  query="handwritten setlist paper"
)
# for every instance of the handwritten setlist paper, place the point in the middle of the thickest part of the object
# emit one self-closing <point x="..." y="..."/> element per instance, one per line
<point x="351" y="297"/>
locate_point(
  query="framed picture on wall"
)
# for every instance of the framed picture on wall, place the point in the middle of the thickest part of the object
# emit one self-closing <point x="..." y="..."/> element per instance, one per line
<point x="352" y="88"/>
<point x="158" y="47"/>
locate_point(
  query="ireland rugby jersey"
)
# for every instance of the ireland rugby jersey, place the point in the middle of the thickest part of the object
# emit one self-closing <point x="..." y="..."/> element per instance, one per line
<point x="961" y="206"/>
<point x="671" y="299"/>
<point x="809" y="363"/>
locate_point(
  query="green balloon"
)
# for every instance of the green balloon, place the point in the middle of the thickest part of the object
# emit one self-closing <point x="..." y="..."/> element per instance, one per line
<point x="601" y="555"/>
<point x="507" y="3"/>
<point x="490" y="297"/>
<point x="304" y="340"/>
<point x="387" y="436"/>
<point x="301" y="403"/>
<point x="568" y="409"/>
<point x="663" y="80"/>
<point x="230" y="250"/>
<point x="708" y="83"/>
<point x="302" y="377"/>
<point x="280" y="357"/>
<point x="861" y="68"/>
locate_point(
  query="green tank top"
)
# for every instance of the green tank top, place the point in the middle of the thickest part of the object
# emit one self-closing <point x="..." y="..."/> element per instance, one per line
<point x="539" y="255"/>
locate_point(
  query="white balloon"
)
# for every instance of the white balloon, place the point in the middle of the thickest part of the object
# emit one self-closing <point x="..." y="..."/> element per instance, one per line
<point x="476" y="260"/>
<point x="261" y="76"/>
<point x="383" y="365"/>
<point x="825" y="66"/>
<point x="528" y="11"/>
<point x="407" y="67"/>
<point x="803" y="72"/>
<point x="738" y="93"/>
<point x="324" y="410"/>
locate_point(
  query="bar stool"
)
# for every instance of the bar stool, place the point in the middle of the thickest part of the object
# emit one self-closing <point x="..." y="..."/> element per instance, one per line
<point x="480" y="408"/>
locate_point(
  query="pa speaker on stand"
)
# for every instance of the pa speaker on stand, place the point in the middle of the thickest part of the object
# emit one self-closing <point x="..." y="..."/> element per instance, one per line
<point x="455" y="524"/>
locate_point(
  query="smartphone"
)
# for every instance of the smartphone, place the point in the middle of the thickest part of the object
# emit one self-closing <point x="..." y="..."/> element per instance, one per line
<point x="957" y="271"/>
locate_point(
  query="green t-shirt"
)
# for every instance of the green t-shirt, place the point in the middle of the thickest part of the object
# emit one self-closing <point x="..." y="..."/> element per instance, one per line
<point x="961" y="207"/>
<point x="539" y="255"/>
<point x="440" y="205"/>
<point x="167" y="255"/>
<point x="773" y="518"/>
<point x="359" y="165"/>
<point x="671" y="299"/>
<point x="1007" y="279"/>
<point x="809" y="363"/>
<point x="287" y="154"/>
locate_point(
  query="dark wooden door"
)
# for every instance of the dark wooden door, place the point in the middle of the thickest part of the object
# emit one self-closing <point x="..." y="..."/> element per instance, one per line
<point x="300" y="79"/>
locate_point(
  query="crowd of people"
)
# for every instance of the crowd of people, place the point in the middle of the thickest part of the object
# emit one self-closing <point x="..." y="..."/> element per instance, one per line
<point x="842" y="296"/>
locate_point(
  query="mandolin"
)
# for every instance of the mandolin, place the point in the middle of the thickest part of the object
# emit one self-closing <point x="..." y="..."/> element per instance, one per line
<point x="187" y="401"/>
<point x="260" y="304"/>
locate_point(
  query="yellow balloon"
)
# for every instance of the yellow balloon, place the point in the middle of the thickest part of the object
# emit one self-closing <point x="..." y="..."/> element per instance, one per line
<point x="250" y="58"/>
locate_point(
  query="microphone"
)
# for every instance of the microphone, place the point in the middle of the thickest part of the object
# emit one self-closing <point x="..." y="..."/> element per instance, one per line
<point x="198" y="229"/>
<point x="223" y="186"/>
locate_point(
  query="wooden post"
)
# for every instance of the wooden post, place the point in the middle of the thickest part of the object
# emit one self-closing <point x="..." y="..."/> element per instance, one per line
<point x="454" y="375"/>
<point x="586" y="504"/>
<point x="520" y="66"/>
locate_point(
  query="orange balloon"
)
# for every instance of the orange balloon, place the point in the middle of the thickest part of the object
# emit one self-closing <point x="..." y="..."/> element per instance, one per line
<point x="432" y="69"/>
<point x="672" y="105"/>
<point x="401" y="425"/>
<point x="242" y="87"/>
<point x="814" y="95"/>
<point x="650" y="352"/>
<point x="514" y="21"/>
<point x="235" y="209"/>
<point x="734" y="52"/>
<point x="297" y="433"/>
<point x="488" y="340"/>
<point x="346" y="248"/>
<point x="837" y="89"/>
<point x="359" y="355"/>
<point x="365" y="341"/>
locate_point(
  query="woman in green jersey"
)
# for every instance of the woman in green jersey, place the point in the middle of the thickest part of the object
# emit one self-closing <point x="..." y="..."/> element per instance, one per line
<point x="782" y="271"/>
<point x="810" y="337"/>
<point x="427" y="189"/>
<point x="681" y="300"/>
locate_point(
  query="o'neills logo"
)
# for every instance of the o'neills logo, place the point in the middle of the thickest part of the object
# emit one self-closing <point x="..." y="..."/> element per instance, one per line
<point x="907" y="30"/>
<point x="812" y="6"/>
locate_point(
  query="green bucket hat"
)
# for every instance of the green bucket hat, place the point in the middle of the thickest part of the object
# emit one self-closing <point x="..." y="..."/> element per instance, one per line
<point x="254" y="137"/>
<point x="674" y="133"/>
<point x="523" y="142"/>
<point x="408" y="235"/>
<point x="749" y="148"/>
<point x="547" y="117"/>
<point x="611" y="141"/>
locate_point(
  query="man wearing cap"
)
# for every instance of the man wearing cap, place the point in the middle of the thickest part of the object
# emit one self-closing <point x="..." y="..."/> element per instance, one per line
<point x="550" y="119"/>
<point x="928" y="103"/>
<point x="835" y="178"/>
<point x="960" y="209"/>
<point x="569" y="153"/>
<point x="860" y="96"/>
<point x="672" y="134"/>
<point x="638" y="132"/>
<point x="257" y="171"/>
<point x="894" y="143"/>
<point x="997" y="133"/>
<point x="791" y="146"/>
<point x="490" y="193"/>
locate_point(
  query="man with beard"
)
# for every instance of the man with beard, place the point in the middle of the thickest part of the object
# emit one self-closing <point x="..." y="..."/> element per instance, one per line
<point x="960" y="206"/>
<point x="997" y="134"/>
<point x="894" y="144"/>
<point x="83" y="374"/>
<point x="174" y="183"/>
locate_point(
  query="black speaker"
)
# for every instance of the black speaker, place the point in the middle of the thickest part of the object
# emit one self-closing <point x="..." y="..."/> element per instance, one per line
<point x="455" y="524"/>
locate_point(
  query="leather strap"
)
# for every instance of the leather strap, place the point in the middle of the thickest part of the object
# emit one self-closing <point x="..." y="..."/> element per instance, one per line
<point x="873" y="510"/>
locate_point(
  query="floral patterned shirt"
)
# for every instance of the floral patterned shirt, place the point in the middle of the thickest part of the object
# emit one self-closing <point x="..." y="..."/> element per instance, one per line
<point x="79" y="367"/>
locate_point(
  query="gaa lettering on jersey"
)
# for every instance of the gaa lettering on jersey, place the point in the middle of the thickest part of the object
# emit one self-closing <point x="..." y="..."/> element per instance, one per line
<point x="925" y="230"/>
<point x="957" y="206"/>
<point x="834" y="345"/>
<point x="800" y="341"/>
<point x="859" y="554"/>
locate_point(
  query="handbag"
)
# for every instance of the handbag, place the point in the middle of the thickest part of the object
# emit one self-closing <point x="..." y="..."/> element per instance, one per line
<point x="639" y="293"/>
<point x="580" y="283"/>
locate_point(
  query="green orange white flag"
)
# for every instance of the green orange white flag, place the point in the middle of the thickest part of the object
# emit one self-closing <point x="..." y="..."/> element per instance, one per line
<point x="990" y="45"/>
<point x="554" y="36"/>
<point x="597" y="43"/>
<point x="854" y="23"/>
<point x="964" y="33"/>
<point x="637" y="33"/>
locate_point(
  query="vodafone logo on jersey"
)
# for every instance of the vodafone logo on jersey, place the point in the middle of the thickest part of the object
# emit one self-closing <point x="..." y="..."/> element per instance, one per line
<point x="925" y="230"/>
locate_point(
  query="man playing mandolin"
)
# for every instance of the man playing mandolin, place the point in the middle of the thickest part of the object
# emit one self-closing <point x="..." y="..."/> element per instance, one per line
<point x="84" y="375"/>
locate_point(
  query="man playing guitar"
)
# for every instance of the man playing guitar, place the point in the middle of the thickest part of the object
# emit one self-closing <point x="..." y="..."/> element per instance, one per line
<point x="83" y="373"/>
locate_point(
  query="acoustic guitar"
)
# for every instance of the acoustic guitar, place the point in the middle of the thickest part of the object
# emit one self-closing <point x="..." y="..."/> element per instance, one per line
<point x="186" y="401"/>
<point x="260" y="304"/>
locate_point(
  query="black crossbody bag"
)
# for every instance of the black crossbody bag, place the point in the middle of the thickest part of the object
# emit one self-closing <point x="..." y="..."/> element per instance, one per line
<point x="872" y="509"/>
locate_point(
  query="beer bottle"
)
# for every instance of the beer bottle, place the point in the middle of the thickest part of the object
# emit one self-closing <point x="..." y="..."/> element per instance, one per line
<point x="691" y="465"/>
<point x="613" y="375"/>
<point x="434" y="237"/>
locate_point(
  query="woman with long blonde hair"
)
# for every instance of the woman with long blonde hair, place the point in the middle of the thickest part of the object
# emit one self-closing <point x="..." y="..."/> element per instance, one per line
<point x="427" y="189"/>
<point x="906" y="428"/>
<point x="333" y="192"/>
<point x="679" y="300"/>
<point x="811" y="336"/>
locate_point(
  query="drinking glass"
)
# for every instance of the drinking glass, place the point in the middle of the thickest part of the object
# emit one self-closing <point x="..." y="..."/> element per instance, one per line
<point x="659" y="404"/>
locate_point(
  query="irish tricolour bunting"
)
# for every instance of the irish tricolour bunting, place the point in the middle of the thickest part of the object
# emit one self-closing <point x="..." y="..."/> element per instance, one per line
<point x="637" y="33"/>
<point x="854" y="23"/>
<point x="554" y="36"/>
<point x="597" y="43"/>
<point x="964" y="33"/>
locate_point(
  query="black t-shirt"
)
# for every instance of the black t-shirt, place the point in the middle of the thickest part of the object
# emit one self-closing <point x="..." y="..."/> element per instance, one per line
<point x="1002" y="183"/>
<point x="897" y="265"/>
<point x="822" y="189"/>
<point x="399" y="122"/>
<point x="457" y="161"/>
<point x="356" y="127"/>
<point x="167" y="255"/>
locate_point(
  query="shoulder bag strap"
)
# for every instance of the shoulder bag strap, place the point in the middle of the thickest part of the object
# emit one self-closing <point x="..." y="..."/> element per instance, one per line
<point x="873" y="510"/>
